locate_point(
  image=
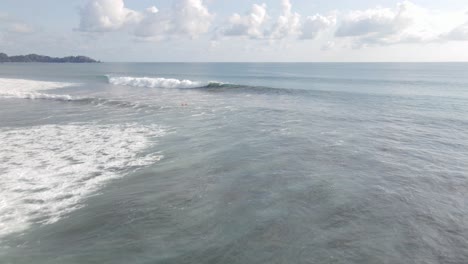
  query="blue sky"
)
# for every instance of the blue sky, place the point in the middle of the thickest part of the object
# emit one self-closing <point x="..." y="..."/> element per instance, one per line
<point x="215" y="30"/>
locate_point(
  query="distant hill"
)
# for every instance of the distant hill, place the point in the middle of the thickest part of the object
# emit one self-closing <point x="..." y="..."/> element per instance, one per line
<point x="46" y="59"/>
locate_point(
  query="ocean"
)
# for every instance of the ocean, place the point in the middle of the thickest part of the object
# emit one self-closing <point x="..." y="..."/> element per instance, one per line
<point x="234" y="163"/>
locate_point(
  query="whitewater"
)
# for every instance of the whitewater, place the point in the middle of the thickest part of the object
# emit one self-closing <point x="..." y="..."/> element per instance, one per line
<point x="270" y="163"/>
<point x="47" y="170"/>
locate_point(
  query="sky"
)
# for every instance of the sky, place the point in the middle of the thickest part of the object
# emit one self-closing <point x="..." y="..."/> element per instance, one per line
<point x="238" y="30"/>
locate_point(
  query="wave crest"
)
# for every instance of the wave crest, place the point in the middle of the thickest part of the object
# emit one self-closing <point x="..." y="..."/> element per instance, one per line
<point x="159" y="82"/>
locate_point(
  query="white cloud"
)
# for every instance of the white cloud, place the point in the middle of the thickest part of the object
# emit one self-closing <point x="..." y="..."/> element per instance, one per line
<point x="152" y="9"/>
<point x="20" y="28"/>
<point x="288" y="23"/>
<point x="407" y="23"/>
<point x="154" y="25"/>
<point x="250" y="25"/>
<point x="185" y="18"/>
<point x="373" y="21"/>
<point x="11" y="28"/>
<point x="404" y="23"/>
<point x="313" y="25"/>
<point x="106" y="15"/>
<point x="191" y="17"/>
<point x="458" y="33"/>
<point x="328" y="46"/>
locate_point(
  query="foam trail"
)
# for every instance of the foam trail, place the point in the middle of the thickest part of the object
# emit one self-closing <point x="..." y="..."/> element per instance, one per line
<point x="29" y="89"/>
<point x="34" y="96"/>
<point x="8" y="86"/>
<point x="46" y="171"/>
<point x="157" y="82"/>
<point x="85" y="100"/>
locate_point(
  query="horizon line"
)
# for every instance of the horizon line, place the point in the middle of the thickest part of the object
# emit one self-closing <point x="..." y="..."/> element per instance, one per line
<point x="102" y="61"/>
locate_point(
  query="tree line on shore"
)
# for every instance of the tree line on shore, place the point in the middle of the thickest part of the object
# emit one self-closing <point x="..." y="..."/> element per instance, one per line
<point x="40" y="58"/>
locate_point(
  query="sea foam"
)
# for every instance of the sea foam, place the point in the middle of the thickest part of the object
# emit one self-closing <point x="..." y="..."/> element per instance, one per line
<point x="47" y="171"/>
<point x="30" y="89"/>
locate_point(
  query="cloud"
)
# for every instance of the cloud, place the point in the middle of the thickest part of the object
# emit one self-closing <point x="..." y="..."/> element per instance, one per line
<point x="459" y="33"/>
<point x="328" y="46"/>
<point x="191" y="17"/>
<point x="10" y="27"/>
<point x="20" y="28"/>
<point x="4" y="17"/>
<point x="313" y="25"/>
<point x="155" y="25"/>
<point x="250" y="25"/>
<point x="106" y="15"/>
<point x="373" y="21"/>
<point x="152" y="10"/>
<point x="407" y="23"/>
<point x="287" y="24"/>
<point x="254" y="24"/>
<point x="185" y="18"/>
<point x="379" y="26"/>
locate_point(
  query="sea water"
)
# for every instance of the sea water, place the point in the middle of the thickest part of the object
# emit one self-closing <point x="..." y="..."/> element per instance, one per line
<point x="234" y="163"/>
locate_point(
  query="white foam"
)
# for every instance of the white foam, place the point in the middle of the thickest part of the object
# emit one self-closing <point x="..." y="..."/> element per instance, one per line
<point x="33" y="96"/>
<point x="155" y="82"/>
<point x="47" y="171"/>
<point x="30" y="89"/>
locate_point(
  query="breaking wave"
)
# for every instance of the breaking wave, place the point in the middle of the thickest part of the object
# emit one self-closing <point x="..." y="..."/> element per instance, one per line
<point x="184" y="84"/>
<point x="160" y="82"/>
<point x="35" y="90"/>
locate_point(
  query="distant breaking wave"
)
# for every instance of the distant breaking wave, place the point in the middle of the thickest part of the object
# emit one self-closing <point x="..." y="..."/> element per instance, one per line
<point x="37" y="90"/>
<point x="184" y="84"/>
<point x="160" y="82"/>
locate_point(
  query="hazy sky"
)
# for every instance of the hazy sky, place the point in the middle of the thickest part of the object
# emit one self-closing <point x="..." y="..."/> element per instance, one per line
<point x="238" y="30"/>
